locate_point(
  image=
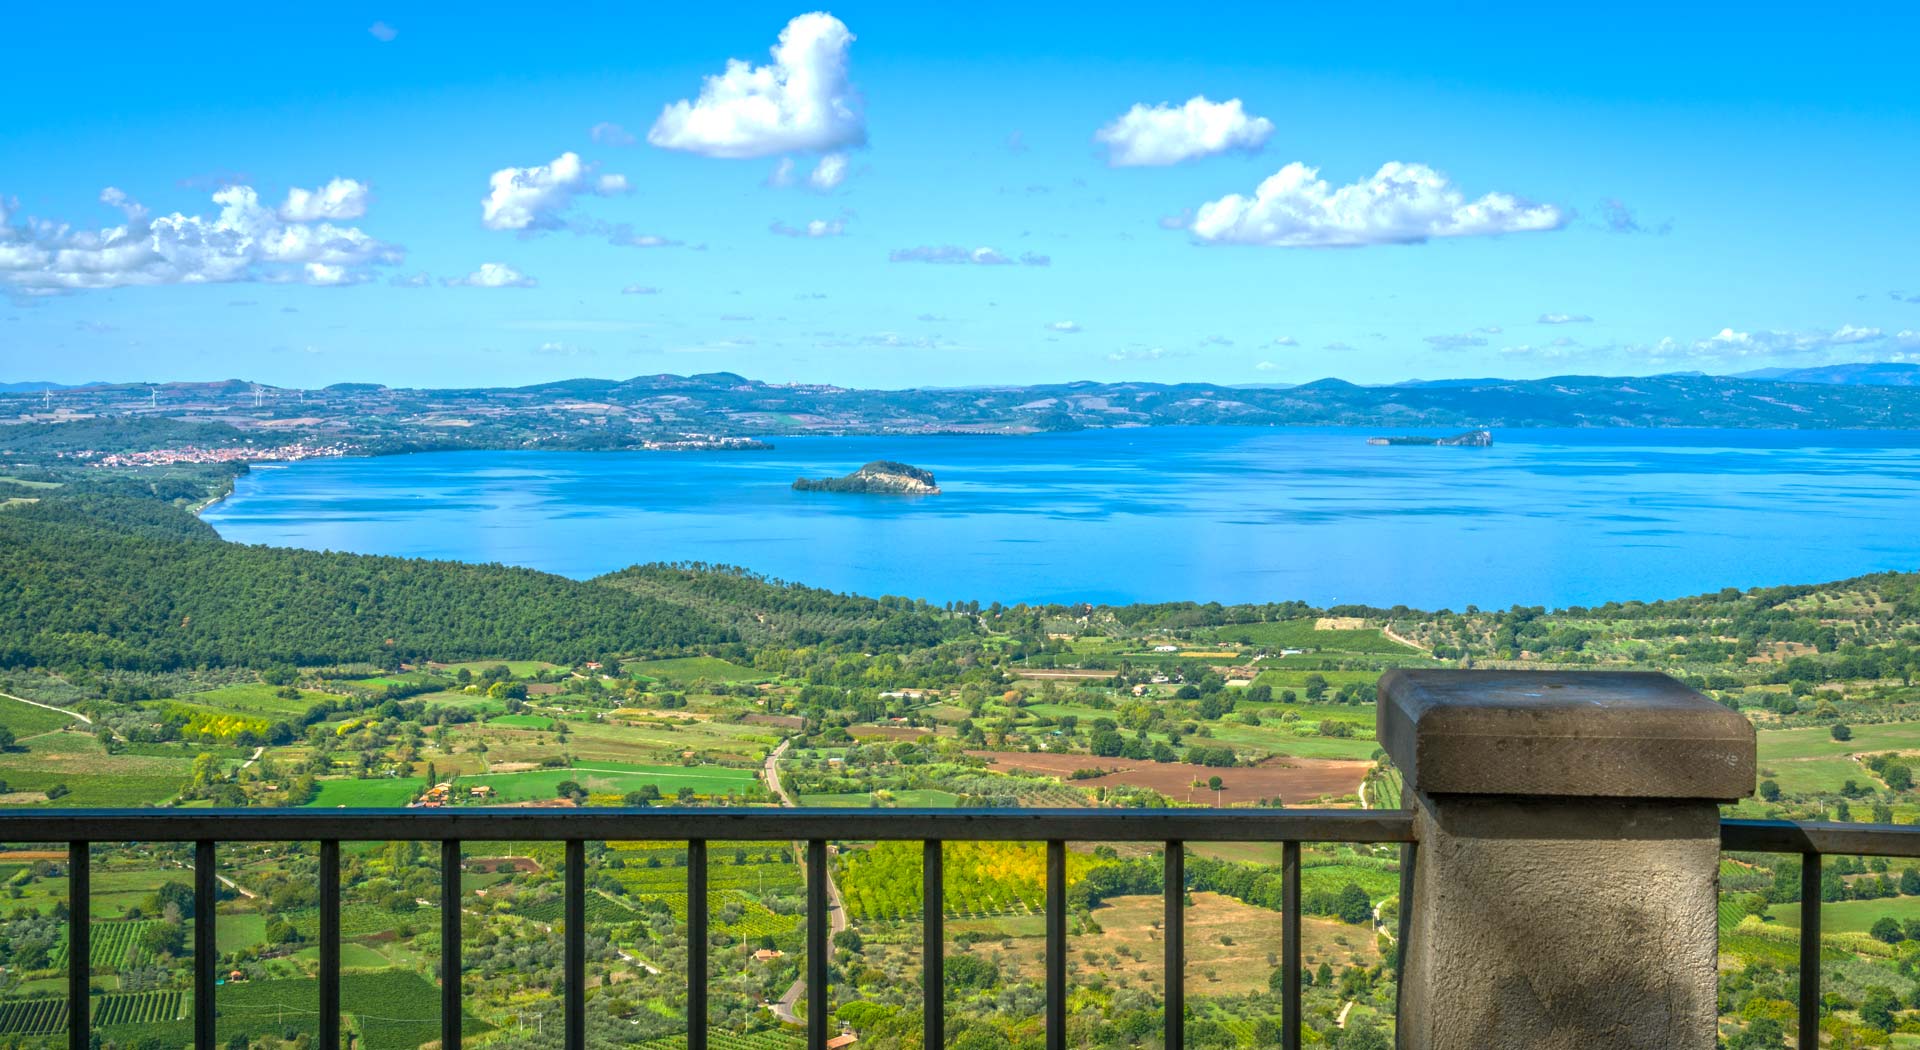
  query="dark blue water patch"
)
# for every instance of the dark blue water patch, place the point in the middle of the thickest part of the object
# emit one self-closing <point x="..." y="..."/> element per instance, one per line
<point x="1228" y="514"/>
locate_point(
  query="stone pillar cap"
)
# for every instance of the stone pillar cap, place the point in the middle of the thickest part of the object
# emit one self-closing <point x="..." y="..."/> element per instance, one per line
<point x="1595" y="734"/>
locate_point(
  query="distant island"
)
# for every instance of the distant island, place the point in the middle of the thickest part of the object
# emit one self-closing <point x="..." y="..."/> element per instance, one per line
<point x="1470" y="439"/>
<point x="882" y="476"/>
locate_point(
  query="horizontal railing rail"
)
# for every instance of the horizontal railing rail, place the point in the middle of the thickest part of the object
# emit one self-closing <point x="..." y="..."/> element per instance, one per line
<point x="1813" y="840"/>
<point x="1171" y="828"/>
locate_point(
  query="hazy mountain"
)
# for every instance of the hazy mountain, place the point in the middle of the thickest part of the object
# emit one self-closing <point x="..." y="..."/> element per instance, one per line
<point x="1862" y="374"/>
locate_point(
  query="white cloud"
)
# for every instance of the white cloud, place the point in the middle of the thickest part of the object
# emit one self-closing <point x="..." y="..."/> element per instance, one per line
<point x="639" y="289"/>
<point x="782" y="173"/>
<point x="1285" y="340"/>
<point x="533" y="198"/>
<point x="1265" y="366"/>
<point x="1336" y="345"/>
<point x="415" y="280"/>
<point x="953" y="254"/>
<point x="1565" y="319"/>
<point x="1154" y="136"/>
<point x="382" y="32"/>
<point x="1065" y="327"/>
<point x="607" y="133"/>
<point x="816" y="228"/>
<point x="562" y="350"/>
<point x="1149" y="354"/>
<point x="338" y="199"/>
<point x="1399" y="204"/>
<point x="803" y="100"/>
<point x="830" y="172"/>
<point x="246" y="241"/>
<point x="495" y="275"/>
<point x="1456" y="342"/>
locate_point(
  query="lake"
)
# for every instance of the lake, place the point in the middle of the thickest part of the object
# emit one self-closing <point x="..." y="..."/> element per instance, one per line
<point x="1545" y="517"/>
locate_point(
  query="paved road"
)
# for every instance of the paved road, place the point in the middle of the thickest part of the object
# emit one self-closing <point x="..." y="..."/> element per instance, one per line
<point x="783" y="1009"/>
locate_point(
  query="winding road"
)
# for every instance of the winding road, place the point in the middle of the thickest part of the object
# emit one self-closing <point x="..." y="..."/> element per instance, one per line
<point x="783" y="1009"/>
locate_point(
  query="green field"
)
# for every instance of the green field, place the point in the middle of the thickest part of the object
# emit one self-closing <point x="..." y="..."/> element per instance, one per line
<point x="519" y="668"/>
<point x="522" y="721"/>
<point x="1848" y="916"/>
<point x="693" y="668"/>
<point x="27" y="720"/>
<point x="1300" y="634"/>
<point x="386" y="791"/>
<point x="920" y="798"/>
<point x="611" y="777"/>
<point x="254" y="699"/>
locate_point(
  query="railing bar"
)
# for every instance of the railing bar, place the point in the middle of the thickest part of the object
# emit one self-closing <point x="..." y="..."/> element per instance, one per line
<point x="1403" y="922"/>
<point x="1809" y="950"/>
<point x="933" y="946"/>
<point x="477" y="824"/>
<point x="79" y="945"/>
<point x="205" y="946"/>
<point x="576" y="945"/>
<point x="697" y="944"/>
<point x="817" y="946"/>
<point x="450" y="944"/>
<point x="1056" y="945"/>
<point x="1174" y="887"/>
<point x="1290" y="945"/>
<point x="330" y="944"/>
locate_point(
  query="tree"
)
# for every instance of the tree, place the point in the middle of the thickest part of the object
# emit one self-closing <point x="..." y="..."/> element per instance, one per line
<point x="1910" y="882"/>
<point x="1769" y="791"/>
<point x="1841" y="731"/>
<point x="570" y="789"/>
<point x="6" y="739"/>
<point x="1887" y="929"/>
<point x="1353" y="905"/>
<point x="1877" y="1008"/>
<point x="1898" y="776"/>
<point x="1315" y="685"/>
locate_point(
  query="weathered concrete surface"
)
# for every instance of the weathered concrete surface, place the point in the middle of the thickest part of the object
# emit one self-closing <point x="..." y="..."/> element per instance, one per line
<point x="1584" y="734"/>
<point x="1566" y="884"/>
<point x="1562" y="925"/>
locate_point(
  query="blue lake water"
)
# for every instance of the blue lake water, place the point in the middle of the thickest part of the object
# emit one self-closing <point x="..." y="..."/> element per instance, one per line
<point x="1545" y="517"/>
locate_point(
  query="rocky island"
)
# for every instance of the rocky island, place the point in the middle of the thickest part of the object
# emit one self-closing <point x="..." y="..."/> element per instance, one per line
<point x="882" y="476"/>
<point x="1470" y="439"/>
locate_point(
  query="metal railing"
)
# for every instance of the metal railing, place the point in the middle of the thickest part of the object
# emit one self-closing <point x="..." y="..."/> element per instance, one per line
<point x="1812" y="841"/>
<point x="1172" y="829"/>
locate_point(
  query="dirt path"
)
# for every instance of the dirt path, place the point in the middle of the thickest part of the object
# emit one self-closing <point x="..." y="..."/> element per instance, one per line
<point x="783" y="1009"/>
<point x="61" y="710"/>
<point x="1403" y="640"/>
<point x="255" y="757"/>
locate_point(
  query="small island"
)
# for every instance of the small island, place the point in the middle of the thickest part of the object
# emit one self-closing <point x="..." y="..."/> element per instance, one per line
<point x="1470" y="439"/>
<point x="883" y="476"/>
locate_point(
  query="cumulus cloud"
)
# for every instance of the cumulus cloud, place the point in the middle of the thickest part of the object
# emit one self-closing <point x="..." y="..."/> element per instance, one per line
<point x="414" y="280"/>
<point x="607" y="133"/>
<point x="494" y="275"/>
<point x="1154" y="353"/>
<point x="802" y="101"/>
<point x="1565" y="319"/>
<point x="954" y="254"/>
<point x="562" y="350"/>
<point x="533" y="198"/>
<point x="830" y="172"/>
<point x="816" y="228"/>
<point x="339" y="199"/>
<point x="1285" y="340"/>
<point x="382" y="32"/>
<point x="1065" y="327"/>
<point x="1155" y="136"/>
<point x="639" y="289"/>
<point x="1731" y="343"/>
<point x="1265" y="366"/>
<point x="1399" y="204"/>
<point x="245" y="241"/>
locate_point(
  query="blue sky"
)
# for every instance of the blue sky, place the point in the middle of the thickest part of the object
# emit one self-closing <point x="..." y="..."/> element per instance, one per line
<point x="1500" y="190"/>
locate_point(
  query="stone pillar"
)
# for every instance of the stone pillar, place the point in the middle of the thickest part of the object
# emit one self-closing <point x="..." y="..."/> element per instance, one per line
<point x="1566" y="882"/>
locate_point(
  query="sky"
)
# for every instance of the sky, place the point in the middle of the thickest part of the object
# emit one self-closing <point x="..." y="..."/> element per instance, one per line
<point x="893" y="195"/>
